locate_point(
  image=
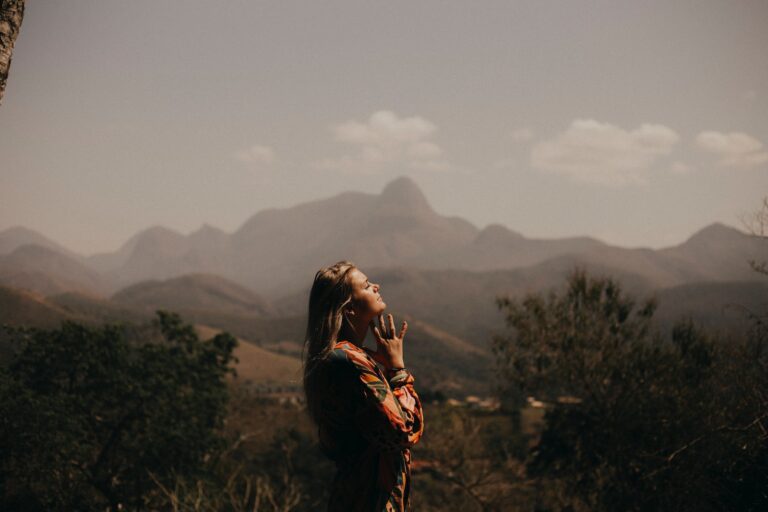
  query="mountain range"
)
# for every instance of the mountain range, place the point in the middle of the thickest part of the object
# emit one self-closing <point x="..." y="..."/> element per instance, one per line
<point x="441" y="273"/>
<point x="277" y="251"/>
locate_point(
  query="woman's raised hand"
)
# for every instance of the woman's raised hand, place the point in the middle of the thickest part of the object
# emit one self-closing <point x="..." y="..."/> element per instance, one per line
<point x="389" y="347"/>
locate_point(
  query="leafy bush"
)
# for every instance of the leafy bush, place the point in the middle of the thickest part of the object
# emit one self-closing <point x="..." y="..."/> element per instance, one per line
<point x="91" y="421"/>
<point x="634" y="421"/>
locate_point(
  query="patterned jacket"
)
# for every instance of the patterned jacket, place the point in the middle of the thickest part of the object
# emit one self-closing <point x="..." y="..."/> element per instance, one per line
<point x="367" y="425"/>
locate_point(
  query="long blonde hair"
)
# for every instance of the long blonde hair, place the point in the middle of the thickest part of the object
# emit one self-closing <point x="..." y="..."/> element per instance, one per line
<point x="331" y="292"/>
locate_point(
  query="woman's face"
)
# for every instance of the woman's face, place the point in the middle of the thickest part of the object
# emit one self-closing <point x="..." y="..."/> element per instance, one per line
<point x="366" y="301"/>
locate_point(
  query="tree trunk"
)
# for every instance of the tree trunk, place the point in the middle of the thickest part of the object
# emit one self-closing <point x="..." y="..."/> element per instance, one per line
<point x="11" y="14"/>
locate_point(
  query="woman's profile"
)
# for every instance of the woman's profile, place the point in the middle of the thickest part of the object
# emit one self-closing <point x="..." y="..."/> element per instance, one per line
<point x="368" y="415"/>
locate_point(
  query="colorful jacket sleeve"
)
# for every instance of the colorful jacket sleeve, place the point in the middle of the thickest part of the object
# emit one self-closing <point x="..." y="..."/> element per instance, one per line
<point x="390" y="414"/>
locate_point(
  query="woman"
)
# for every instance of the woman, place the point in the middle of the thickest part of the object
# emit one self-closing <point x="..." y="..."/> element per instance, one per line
<point x="367" y="417"/>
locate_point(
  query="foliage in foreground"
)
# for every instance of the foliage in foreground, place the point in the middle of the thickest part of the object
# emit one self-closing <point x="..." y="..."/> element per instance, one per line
<point x="634" y="421"/>
<point x="93" y="421"/>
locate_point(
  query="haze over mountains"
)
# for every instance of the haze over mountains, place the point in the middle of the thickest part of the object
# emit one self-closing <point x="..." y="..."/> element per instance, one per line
<point x="277" y="250"/>
<point x="442" y="273"/>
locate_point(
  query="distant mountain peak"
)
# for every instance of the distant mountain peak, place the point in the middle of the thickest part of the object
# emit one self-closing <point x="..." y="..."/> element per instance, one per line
<point x="153" y="236"/>
<point x="17" y="236"/>
<point x="200" y="291"/>
<point x="404" y="192"/>
<point x="33" y="249"/>
<point x="159" y="231"/>
<point x="497" y="232"/>
<point x="207" y="229"/>
<point x="716" y="232"/>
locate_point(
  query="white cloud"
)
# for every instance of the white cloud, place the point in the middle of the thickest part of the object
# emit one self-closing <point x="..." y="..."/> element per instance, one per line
<point x="735" y="149"/>
<point x="680" y="168"/>
<point x="604" y="154"/>
<point x="384" y="128"/>
<point x="522" y="134"/>
<point x="256" y="155"/>
<point x="385" y="139"/>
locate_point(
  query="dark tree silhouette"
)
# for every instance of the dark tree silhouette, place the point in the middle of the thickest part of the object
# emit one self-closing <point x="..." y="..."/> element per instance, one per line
<point x="91" y="420"/>
<point x="636" y="420"/>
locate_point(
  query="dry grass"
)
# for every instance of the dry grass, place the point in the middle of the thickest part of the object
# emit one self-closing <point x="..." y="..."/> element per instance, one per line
<point x="259" y="366"/>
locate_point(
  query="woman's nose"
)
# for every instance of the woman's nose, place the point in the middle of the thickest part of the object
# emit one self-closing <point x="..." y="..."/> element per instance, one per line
<point x="376" y="287"/>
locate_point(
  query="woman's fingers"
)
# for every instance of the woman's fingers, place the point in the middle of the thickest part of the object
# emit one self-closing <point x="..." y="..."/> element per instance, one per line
<point x="403" y="329"/>
<point x="376" y="332"/>
<point x="387" y="330"/>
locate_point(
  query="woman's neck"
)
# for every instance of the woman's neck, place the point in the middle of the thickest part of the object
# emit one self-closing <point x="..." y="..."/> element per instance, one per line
<point x="354" y="332"/>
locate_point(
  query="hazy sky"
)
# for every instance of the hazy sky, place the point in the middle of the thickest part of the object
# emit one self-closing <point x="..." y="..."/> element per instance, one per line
<point x="635" y="122"/>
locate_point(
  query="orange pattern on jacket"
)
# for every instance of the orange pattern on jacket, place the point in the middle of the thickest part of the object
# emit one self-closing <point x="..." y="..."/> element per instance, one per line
<point x="367" y="425"/>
